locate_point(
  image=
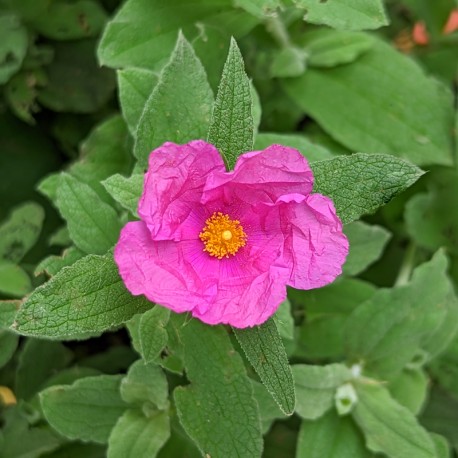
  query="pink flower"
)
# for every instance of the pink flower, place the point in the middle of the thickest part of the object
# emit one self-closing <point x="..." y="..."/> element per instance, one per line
<point x="224" y="245"/>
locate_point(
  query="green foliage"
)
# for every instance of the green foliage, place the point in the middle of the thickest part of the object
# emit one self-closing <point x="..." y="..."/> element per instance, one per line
<point x="361" y="183"/>
<point x="231" y="128"/>
<point x="375" y="354"/>
<point x="223" y="392"/>
<point x="83" y="299"/>
<point x="405" y="113"/>
<point x="95" y="399"/>
<point x="179" y="107"/>
<point x="357" y="15"/>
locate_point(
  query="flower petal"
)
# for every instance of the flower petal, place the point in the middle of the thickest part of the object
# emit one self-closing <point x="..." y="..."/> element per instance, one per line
<point x="243" y="290"/>
<point x="262" y="176"/>
<point x="315" y="247"/>
<point x="173" y="186"/>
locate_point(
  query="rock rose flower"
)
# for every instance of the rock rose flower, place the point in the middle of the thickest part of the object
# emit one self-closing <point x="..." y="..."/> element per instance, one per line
<point x="224" y="245"/>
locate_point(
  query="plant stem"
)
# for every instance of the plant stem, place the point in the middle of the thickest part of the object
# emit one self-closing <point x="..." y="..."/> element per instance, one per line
<point x="407" y="265"/>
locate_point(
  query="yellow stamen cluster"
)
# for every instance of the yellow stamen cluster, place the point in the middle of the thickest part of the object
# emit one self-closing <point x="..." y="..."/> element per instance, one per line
<point x="222" y="235"/>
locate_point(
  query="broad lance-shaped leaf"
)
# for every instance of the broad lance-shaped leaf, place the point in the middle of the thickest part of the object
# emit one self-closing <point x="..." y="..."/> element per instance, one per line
<point x="361" y="183"/>
<point x="366" y="246"/>
<point x="128" y="42"/>
<point x="87" y="410"/>
<point x="135" y="86"/>
<point x="93" y="225"/>
<point x="331" y="436"/>
<point x="178" y="110"/>
<point x="344" y="14"/>
<point x="217" y="409"/>
<point x="264" y="349"/>
<point x="397" y="325"/>
<point x="395" y="108"/>
<point x="86" y="298"/>
<point x="138" y="436"/>
<point x="126" y="191"/>
<point x="231" y="128"/>
<point x="390" y="428"/>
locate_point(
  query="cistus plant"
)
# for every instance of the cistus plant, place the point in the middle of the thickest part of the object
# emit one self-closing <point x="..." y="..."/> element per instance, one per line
<point x="228" y="228"/>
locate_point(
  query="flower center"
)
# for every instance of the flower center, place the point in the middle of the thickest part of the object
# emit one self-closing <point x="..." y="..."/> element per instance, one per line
<point x="222" y="235"/>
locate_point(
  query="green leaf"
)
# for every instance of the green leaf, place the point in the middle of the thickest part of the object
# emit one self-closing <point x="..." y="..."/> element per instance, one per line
<point x="259" y="8"/>
<point x="389" y="427"/>
<point x="393" y="327"/>
<point x="322" y="334"/>
<point x="361" y="183"/>
<point x="288" y="62"/>
<point x="152" y="333"/>
<point x="22" y="440"/>
<point x="410" y="389"/>
<point x="264" y="349"/>
<point x="93" y="225"/>
<point x="77" y="450"/>
<point x="331" y="436"/>
<point x="70" y="21"/>
<point x="405" y="113"/>
<point x="13" y="45"/>
<point x="179" y="107"/>
<point x="8" y="344"/>
<point x="20" y="231"/>
<point x="432" y="219"/>
<point x="311" y="151"/>
<point x="366" y="246"/>
<point x="76" y="83"/>
<point x="14" y="281"/>
<point x="441" y="415"/>
<point x="226" y="422"/>
<point x="52" y="264"/>
<point x="128" y="42"/>
<point x="328" y="48"/>
<point x="341" y="14"/>
<point x="442" y="446"/>
<point x="231" y="128"/>
<point x="87" y="410"/>
<point x="316" y="387"/>
<point x="268" y="408"/>
<point x="145" y="383"/>
<point x="135" y="86"/>
<point x="284" y="320"/>
<point x="445" y="368"/>
<point x="138" y="436"/>
<point x="103" y="153"/>
<point x="126" y="191"/>
<point x="88" y="297"/>
<point x="8" y="311"/>
<point x="38" y="361"/>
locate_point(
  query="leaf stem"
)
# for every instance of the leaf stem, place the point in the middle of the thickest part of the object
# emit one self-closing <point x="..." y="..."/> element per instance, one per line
<point x="407" y="265"/>
<point x="277" y="29"/>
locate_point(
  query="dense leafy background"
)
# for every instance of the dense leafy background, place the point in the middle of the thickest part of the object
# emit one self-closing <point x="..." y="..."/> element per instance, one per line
<point x="367" y="366"/>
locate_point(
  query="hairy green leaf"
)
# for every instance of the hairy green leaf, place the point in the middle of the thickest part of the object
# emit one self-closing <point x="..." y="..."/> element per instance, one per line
<point x="342" y="14"/>
<point x="226" y="422"/>
<point x="126" y="191"/>
<point x="389" y="427"/>
<point x="87" y="410"/>
<point x="231" y="127"/>
<point x="403" y="113"/>
<point x="93" y="225"/>
<point x="88" y="297"/>
<point x="361" y="183"/>
<point x="179" y="107"/>
<point x="265" y="351"/>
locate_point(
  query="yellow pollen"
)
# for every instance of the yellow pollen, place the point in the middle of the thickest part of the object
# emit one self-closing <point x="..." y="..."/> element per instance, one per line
<point x="222" y="235"/>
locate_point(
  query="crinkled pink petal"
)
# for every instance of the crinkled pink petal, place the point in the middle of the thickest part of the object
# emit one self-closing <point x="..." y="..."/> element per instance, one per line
<point x="173" y="186"/>
<point x="315" y="246"/>
<point x="262" y="176"/>
<point x="243" y="290"/>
